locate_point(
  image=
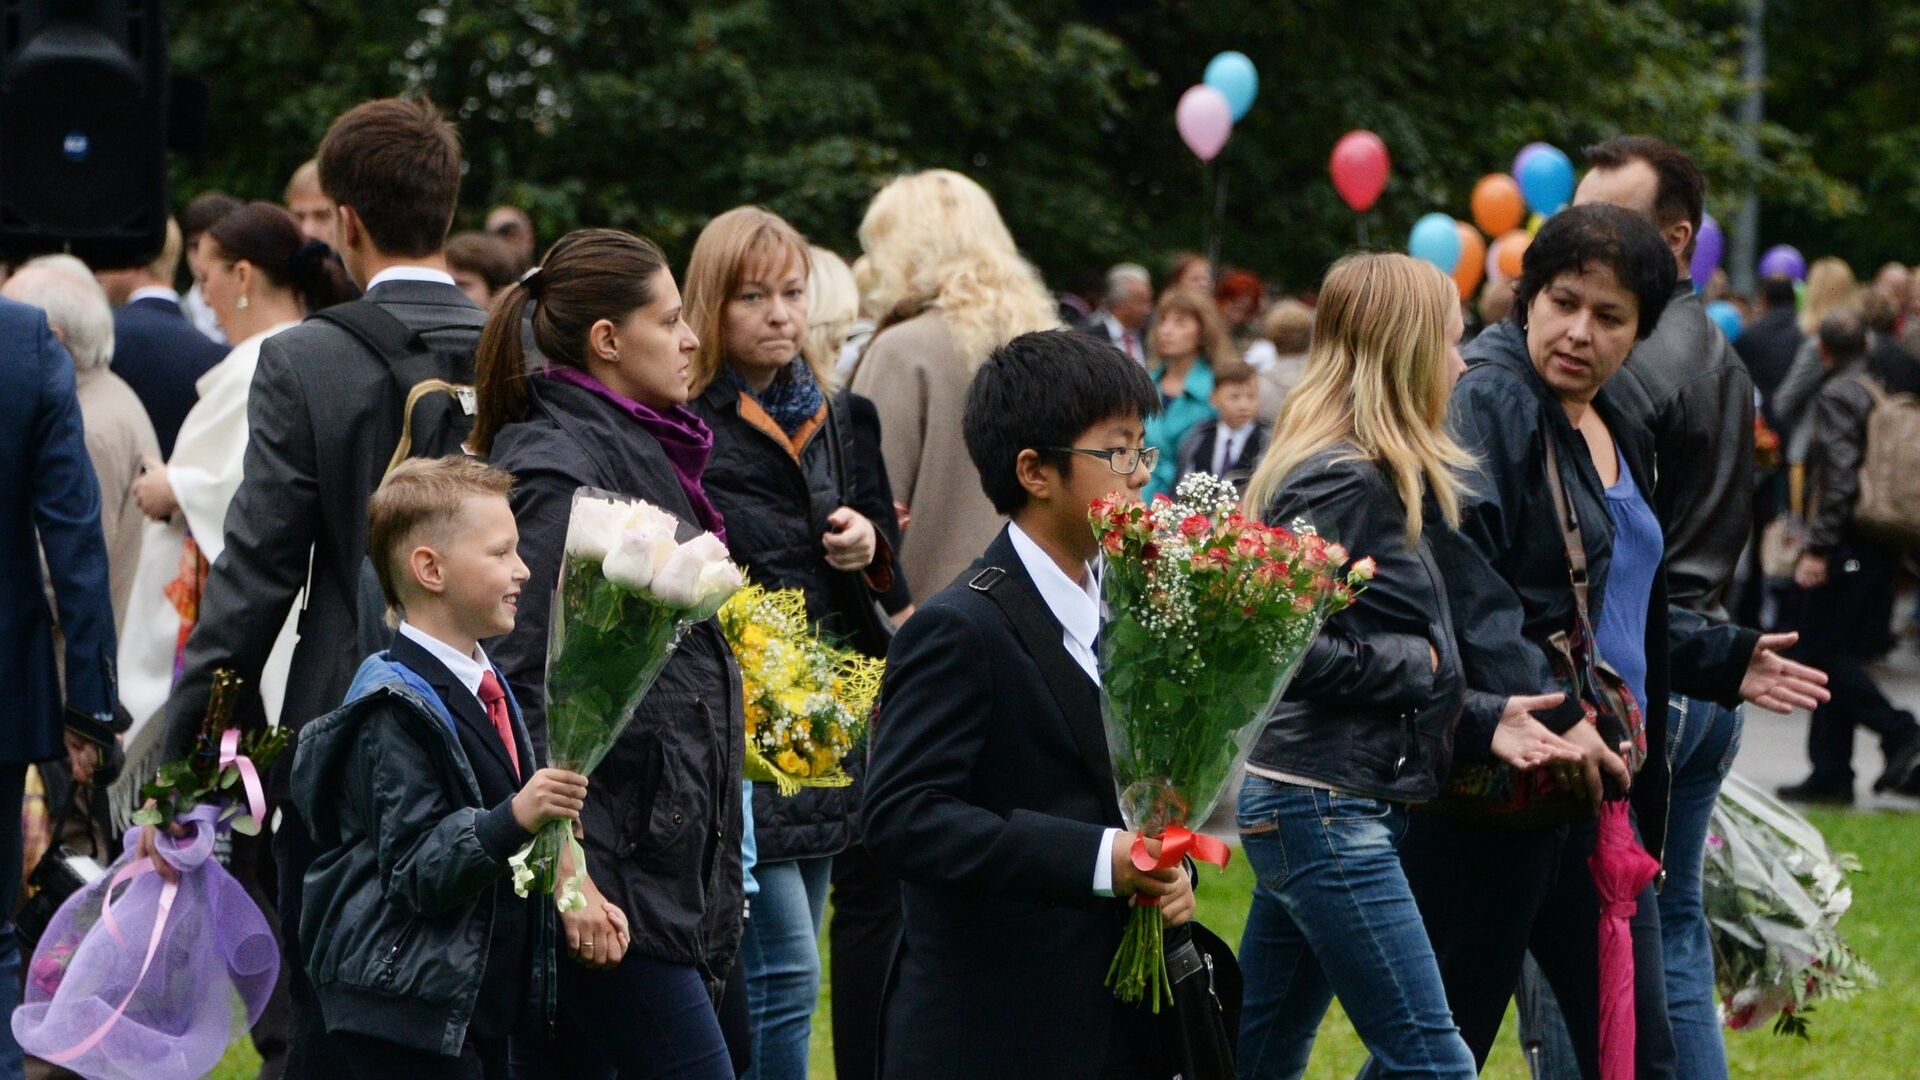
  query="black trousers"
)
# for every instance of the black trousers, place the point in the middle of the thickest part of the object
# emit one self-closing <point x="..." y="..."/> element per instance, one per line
<point x="312" y="1054"/>
<point x="378" y="1059"/>
<point x="860" y="940"/>
<point x="1488" y="894"/>
<point x="642" y="1020"/>
<point x="253" y="866"/>
<point x="1841" y="624"/>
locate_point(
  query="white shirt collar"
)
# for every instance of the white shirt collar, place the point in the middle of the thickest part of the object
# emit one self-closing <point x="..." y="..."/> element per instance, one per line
<point x="1234" y="432"/>
<point x="154" y="292"/>
<point x="411" y="273"/>
<point x="468" y="669"/>
<point x="1077" y="606"/>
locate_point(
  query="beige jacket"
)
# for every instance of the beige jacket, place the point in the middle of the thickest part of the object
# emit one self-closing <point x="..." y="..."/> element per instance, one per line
<point x="917" y="379"/>
<point x="118" y="434"/>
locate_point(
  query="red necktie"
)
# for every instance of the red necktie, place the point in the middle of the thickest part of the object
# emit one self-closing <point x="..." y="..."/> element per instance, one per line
<point x="495" y="700"/>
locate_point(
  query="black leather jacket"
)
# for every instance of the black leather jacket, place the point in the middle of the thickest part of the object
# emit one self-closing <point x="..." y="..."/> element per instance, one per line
<point x="1699" y="400"/>
<point x="1510" y="573"/>
<point x="1839" y="442"/>
<point x="1369" y="711"/>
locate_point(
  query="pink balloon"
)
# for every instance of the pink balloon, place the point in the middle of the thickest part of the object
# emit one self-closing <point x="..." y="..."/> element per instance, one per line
<point x="1359" y="167"/>
<point x="1205" y="120"/>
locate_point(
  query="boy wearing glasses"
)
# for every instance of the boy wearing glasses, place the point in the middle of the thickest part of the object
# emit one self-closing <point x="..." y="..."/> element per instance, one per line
<point x="989" y="791"/>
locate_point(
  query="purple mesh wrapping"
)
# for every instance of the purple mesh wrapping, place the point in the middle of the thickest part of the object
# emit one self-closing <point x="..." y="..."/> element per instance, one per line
<point x="211" y="973"/>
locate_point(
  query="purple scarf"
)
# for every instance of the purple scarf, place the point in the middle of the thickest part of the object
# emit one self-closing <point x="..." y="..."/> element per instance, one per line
<point x="687" y="440"/>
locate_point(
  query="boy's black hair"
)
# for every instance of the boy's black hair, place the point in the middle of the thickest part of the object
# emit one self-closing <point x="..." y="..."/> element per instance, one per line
<point x="1046" y="388"/>
<point x="1599" y="234"/>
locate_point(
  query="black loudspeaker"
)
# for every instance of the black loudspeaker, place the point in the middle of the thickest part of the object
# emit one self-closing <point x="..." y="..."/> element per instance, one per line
<point x="83" y="129"/>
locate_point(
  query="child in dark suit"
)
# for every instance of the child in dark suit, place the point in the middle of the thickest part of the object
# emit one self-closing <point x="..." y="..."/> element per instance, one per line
<point x="1229" y="447"/>
<point x="990" y="792"/>
<point x="417" y="791"/>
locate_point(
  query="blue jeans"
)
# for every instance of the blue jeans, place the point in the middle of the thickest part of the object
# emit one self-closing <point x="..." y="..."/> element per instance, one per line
<point x="1702" y="739"/>
<point x="1332" y="914"/>
<point x="782" y="954"/>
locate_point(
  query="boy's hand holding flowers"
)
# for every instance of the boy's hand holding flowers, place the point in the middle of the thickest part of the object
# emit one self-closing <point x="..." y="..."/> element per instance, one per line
<point x="1169" y="887"/>
<point x="550" y="795"/>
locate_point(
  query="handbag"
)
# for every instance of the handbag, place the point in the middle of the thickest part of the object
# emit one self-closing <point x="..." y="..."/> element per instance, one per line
<point x="869" y="629"/>
<point x="1202" y="1030"/>
<point x="1497" y="792"/>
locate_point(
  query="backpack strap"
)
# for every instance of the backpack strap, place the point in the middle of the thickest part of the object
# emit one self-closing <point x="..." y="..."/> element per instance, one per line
<point x="407" y="356"/>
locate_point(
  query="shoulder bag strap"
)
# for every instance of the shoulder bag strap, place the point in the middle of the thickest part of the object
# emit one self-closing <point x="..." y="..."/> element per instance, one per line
<point x="1569" y="531"/>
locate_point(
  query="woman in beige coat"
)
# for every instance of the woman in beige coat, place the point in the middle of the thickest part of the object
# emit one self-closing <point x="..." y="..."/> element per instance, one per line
<point x="947" y="285"/>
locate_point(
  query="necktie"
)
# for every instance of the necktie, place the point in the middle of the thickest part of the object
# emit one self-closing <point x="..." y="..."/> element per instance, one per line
<point x="1226" y="454"/>
<point x="1126" y="338"/>
<point x="495" y="699"/>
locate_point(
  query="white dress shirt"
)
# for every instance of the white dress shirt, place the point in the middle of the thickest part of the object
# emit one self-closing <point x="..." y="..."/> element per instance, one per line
<point x="1127" y="341"/>
<point x="1077" y="607"/>
<point x="411" y="273"/>
<point x="468" y="669"/>
<point x="1227" y="444"/>
<point x="153" y="292"/>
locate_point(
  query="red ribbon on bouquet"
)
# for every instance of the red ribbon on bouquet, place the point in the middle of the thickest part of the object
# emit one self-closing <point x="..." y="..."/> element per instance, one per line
<point x="1176" y="843"/>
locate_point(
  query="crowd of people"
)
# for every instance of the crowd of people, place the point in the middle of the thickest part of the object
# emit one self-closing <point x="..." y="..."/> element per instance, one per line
<point x="1569" y="474"/>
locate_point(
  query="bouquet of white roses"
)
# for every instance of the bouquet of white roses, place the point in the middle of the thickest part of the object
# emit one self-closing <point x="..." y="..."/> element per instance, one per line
<point x="1774" y="895"/>
<point x="628" y="589"/>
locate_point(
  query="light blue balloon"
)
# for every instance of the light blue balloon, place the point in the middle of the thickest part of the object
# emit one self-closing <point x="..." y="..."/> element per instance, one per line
<point x="1727" y="316"/>
<point x="1436" y="240"/>
<point x="1232" y="74"/>
<point x="1546" y="180"/>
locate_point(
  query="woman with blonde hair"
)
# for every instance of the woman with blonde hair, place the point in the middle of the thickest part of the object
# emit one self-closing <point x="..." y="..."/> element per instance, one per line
<point x="804" y="510"/>
<point x="1362" y="454"/>
<point x="944" y="278"/>
<point x="1830" y="286"/>
<point x="835" y="327"/>
<point x="1189" y="338"/>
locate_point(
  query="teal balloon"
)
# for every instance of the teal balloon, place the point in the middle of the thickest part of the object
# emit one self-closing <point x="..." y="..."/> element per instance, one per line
<point x="1436" y="240"/>
<point x="1728" y="318"/>
<point x="1546" y="180"/>
<point x="1232" y="74"/>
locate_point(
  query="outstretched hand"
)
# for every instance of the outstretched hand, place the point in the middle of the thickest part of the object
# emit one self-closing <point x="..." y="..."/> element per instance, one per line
<point x="1778" y="684"/>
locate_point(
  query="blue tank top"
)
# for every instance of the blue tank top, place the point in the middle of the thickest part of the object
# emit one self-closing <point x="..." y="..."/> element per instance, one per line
<point x="1637" y="548"/>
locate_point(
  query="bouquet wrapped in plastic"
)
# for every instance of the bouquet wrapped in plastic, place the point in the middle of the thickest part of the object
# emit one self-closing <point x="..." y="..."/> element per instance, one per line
<point x="146" y="979"/>
<point x="807" y="701"/>
<point x="1208" y="616"/>
<point x="627" y="590"/>
<point x="1774" y="895"/>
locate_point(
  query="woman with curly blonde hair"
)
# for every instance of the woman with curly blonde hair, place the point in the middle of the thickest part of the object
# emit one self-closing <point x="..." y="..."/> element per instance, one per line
<point x="944" y="278"/>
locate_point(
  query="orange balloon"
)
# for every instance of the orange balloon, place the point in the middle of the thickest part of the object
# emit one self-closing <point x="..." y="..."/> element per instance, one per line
<point x="1507" y="252"/>
<point x="1498" y="206"/>
<point x="1473" y="260"/>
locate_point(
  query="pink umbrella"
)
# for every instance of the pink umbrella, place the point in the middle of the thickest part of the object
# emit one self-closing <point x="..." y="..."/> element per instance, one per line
<point x="1621" y="869"/>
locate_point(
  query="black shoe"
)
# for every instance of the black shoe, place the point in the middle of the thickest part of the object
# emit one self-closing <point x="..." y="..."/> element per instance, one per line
<point x="1817" y="791"/>
<point x="1903" y="768"/>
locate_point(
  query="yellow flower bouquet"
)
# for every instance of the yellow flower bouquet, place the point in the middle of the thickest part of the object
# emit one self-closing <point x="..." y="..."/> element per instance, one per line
<point x="807" y="700"/>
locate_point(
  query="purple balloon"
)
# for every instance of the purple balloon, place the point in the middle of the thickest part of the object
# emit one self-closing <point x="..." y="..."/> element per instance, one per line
<point x="1784" y="260"/>
<point x="1708" y="248"/>
<point x="1526" y="152"/>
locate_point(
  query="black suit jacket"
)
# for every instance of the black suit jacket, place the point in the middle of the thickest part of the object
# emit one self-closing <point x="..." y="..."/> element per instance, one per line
<point x="1196" y="450"/>
<point x="161" y="355"/>
<point x="324" y="417"/>
<point x="988" y="794"/>
<point x="1768" y="347"/>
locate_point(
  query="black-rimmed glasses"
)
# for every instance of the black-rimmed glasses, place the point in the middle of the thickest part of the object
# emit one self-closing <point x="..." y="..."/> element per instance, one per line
<point x="1124" y="460"/>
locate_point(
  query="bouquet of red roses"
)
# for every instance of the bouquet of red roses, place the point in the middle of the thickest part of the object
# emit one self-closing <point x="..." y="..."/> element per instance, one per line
<point x="1208" y="614"/>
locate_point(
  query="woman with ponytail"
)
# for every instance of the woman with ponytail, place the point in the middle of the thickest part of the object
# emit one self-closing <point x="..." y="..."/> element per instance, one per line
<point x="647" y="957"/>
<point x="262" y="277"/>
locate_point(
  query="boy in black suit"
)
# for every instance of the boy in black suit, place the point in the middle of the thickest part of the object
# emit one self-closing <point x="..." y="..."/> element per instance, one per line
<point x="990" y="792"/>
<point x="417" y="791"/>
<point x="1230" y="446"/>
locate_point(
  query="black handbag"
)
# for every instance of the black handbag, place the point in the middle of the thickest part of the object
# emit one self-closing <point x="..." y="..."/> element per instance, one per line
<point x="1202" y="1031"/>
<point x="869" y="629"/>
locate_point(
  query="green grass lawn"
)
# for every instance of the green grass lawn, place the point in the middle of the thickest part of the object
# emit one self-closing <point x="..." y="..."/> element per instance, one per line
<point x="1864" y="1039"/>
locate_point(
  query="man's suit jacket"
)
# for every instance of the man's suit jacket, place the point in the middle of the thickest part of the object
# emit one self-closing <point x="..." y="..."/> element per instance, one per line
<point x="1768" y="347"/>
<point x="988" y="794"/>
<point x="161" y="355"/>
<point x="324" y="415"/>
<point x="49" y="502"/>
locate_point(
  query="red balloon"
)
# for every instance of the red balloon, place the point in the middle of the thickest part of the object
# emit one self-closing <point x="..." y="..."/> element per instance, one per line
<point x="1359" y="167"/>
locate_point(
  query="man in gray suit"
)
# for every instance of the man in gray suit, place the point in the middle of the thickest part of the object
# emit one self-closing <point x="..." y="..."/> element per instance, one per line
<point x="326" y="415"/>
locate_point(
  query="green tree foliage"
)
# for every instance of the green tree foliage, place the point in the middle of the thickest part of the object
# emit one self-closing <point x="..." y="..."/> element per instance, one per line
<point x="653" y="116"/>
